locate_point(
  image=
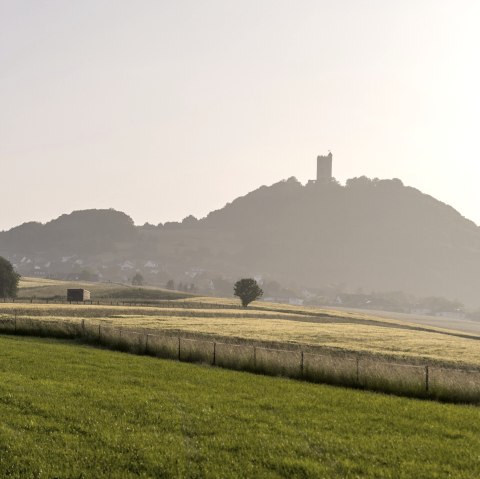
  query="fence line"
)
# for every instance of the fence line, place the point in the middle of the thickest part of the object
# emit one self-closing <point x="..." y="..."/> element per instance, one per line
<point x="424" y="381"/>
<point x="157" y="303"/>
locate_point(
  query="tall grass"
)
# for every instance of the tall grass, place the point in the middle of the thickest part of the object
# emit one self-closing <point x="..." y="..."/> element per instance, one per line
<point x="454" y="385"/>
<point x="404" y="379"/>
<point x="277" y="362"/>
<point x="331" y="369"/>
<point x="275" y="330"/>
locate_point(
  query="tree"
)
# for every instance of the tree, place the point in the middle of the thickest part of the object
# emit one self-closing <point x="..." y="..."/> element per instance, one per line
<point x="247" y="290"/>
<point x="170" y="284"/>
<point x="8" y="279"/>
<point x="138" y="280"/>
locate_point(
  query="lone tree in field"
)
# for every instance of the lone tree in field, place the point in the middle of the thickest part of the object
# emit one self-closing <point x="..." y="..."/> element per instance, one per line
<point x="247" y="290"/>
<point x="8" y="279"/>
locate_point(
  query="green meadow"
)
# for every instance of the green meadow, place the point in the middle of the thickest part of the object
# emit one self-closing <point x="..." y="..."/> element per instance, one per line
<point x="72" y="411"/>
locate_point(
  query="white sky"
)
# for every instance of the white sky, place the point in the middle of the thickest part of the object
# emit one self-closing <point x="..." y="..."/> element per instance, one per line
<point x="163" y="109"/>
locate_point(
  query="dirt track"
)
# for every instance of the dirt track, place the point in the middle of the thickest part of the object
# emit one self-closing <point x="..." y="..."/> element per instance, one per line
<point x="464" y="325"/>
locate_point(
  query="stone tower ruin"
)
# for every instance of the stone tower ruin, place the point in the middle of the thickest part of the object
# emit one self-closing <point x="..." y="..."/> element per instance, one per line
<point x="324" y="168"/>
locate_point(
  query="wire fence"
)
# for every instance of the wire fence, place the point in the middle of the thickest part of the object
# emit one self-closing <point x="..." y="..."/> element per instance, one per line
<point x="157" y="303"/>
<point x="425" y="381"/>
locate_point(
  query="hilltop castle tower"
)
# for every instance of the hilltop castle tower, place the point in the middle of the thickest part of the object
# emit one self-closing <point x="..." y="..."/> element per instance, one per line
<point x="324" y="168"/>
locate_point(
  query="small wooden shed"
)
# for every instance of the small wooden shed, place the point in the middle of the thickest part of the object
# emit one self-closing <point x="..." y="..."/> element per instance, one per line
<point x="77" y="294"/>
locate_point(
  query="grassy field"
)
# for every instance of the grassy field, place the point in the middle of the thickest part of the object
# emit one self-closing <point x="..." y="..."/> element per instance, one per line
<point x="39" y="288"/>
<point x="273" y="324"/>
<point x="70" y="411"/>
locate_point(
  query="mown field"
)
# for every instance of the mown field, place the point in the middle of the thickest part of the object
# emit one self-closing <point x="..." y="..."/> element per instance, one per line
<point x="69" y="410"/>
<point x="278" y="325"/>
<point x="49" y="289"/>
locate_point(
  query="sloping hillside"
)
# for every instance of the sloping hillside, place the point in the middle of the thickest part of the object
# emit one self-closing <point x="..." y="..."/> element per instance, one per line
<point x="377" y="235"/>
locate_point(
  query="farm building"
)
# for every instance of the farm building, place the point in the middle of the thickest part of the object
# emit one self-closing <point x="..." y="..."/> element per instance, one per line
<point x="76" y="294"/>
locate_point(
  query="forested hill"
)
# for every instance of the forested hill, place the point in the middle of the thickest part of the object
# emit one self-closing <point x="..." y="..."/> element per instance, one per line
<point x="87" y="232"/>
<point x="371" y="234"/>
<point x="377" y="235"/>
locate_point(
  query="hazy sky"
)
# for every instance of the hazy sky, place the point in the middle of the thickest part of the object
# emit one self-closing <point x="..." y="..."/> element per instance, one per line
<point x="163" y="109"/>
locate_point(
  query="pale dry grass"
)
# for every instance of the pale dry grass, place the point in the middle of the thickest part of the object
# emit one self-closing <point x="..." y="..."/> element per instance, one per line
<point x="129" y="312"/>
<point x="321" y="312"/>
<point x="26" y="282"/>
<point x="353" y="337"/>
<point x="188" y="306"/>
<point x="456" y="384"/>
<point x="259" y="325"/>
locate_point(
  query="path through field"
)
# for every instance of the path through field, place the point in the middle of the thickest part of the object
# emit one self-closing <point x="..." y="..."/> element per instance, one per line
<point x="463" y="325"/>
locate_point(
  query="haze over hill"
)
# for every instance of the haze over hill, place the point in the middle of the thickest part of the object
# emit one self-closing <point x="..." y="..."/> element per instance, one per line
<point x="374" y="235"/>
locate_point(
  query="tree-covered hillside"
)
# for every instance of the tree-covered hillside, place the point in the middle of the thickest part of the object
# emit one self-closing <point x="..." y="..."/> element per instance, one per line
<point x="373" y="235"/>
